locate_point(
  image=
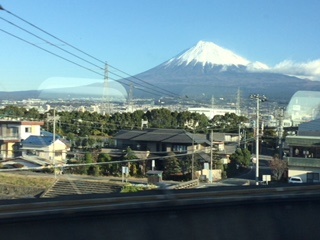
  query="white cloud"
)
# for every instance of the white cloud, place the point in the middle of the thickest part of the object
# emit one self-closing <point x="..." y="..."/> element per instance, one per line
<point x="309" y="70"/>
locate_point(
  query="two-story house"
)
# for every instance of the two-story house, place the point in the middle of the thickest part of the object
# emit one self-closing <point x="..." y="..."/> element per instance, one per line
<point x="304" y="152"/>
<point x="161" y="140"/>
<point x="12" y="132"/>
<point x="43" y="148"/>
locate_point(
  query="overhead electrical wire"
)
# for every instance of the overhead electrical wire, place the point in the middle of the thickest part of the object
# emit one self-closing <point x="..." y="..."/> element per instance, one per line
<point x="79" y="65"/>
<point x="157" y="91"/>
<point x="73" y="62"/>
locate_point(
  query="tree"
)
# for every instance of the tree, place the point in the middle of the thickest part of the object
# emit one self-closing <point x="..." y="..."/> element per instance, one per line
<point x="91" y="169"/>
<point x="172" y="166"/>
<point x="107" y="168"/>
<point x="241" y="157"/>
<point x="228" y="122"/>
<point x="133" y="166"/>
<point x="278" y="167"/>
<point x="91" y="142"/>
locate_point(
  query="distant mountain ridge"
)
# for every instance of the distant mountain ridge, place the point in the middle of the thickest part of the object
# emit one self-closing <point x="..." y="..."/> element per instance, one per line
<point x="208" y="69"/>
<point x="205" y="69"/>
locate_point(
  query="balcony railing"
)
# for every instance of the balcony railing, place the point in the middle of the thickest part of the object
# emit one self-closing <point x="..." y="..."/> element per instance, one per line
<point x="303" y="162"/>
<point x="10" y="137"/>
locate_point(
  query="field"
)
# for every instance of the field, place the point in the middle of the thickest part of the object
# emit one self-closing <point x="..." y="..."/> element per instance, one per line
<point x="13" y="186"/>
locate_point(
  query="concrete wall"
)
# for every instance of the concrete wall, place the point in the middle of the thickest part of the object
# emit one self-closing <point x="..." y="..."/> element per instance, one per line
<point x="301" y="172"/>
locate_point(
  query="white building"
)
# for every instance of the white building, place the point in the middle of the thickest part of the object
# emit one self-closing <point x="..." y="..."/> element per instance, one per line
<point x="211" y="112"/>
<point x="43" y="148"/>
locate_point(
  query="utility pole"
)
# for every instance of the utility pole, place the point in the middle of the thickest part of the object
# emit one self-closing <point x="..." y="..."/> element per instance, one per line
<point x="239" y="135"/>
<point x="211" y="155"/>
<point x="191" y="124"/>
<point x="258" y="99"/>
<point x="192" y="160"/>
<point x="280" y="131"/>
<point x="53" y="118"/>
<point x="245" y="139"/>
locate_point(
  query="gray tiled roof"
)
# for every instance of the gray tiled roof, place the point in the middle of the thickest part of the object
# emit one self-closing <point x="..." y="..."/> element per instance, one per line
<point x="311" y="128"/>
<point x="128" y="134"/>
<point x="37" y="141"/>
<point x="161" y="135"/>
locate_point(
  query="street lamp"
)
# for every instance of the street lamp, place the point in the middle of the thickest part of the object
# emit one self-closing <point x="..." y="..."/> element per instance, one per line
<point x="258" y="99"/>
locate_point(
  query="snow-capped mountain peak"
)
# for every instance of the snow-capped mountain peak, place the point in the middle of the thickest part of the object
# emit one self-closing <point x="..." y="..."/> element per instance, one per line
<point x="208" y="53"/>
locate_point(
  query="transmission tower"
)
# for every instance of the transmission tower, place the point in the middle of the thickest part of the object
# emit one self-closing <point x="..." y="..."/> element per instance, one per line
<point x="106" y="94"/>
<point x="130" y="98"/>
<point x="238" y="104"/>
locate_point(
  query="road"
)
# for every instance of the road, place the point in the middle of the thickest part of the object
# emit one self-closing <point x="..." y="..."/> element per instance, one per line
<point x="248" y="178"/>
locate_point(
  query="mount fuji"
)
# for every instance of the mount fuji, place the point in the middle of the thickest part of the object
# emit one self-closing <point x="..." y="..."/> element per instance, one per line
<point x="207" y="69"/>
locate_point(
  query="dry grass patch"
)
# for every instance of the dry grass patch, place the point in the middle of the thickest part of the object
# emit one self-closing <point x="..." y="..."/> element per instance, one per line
<point x="26" y="181"/>
<point x="20" y="186"/>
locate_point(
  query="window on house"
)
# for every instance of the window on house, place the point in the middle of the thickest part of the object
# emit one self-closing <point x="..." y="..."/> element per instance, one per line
<point x="31" y="152"/>
<point x="179" y="148"/>
<point x="58" y="153"/>
<point x="27" y="129"/>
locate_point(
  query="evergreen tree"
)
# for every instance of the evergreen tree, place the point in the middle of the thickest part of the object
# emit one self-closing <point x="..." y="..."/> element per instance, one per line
<point x="172" y="166"/>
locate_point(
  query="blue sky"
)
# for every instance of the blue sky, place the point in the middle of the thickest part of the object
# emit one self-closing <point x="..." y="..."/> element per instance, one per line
<point x="135" y="36"/>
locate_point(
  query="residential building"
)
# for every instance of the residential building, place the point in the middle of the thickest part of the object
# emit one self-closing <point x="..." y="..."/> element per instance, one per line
<point x="161" y="140"/>
<point x="304" y="152"/>
<point x="43" y="148"/>
<point x="12" y="132"/>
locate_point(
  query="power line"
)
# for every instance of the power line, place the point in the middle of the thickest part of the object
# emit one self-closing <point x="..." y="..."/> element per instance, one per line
<point x="52" y="44"/>
<point x="73" y="62"/>
<point x="166" y="92"/>
<point x="79" y="65"/>
<point x="174" y="94"/>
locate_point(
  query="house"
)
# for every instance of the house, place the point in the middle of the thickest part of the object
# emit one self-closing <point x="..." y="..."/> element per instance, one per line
<point x="162" y="141"/>
<point x="12" y="132"/>
<point x="43" y="148"/>
<point x="304" y="152"/>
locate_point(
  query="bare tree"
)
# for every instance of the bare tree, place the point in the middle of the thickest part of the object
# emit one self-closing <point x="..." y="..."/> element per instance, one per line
<point x="278" y="166"/>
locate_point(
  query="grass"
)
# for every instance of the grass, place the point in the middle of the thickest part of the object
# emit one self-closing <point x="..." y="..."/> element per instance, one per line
<point x="26" y="181"/>
<point x="20" y="186"/>
<point x="129" y="188"/>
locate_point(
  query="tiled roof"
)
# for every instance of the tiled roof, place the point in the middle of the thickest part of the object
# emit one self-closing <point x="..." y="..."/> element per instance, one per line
<point x="37" y="141"/>
<point x="160" y="135"/>
<point x="128" y="134"/>
<point x="311" y="128"/>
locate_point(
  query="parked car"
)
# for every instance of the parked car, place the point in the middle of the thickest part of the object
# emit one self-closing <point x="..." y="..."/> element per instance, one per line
<point x="295" y="180"/>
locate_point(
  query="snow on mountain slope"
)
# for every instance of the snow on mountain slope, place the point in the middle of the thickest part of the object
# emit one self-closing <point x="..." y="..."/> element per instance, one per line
<point x="209" y="53"/>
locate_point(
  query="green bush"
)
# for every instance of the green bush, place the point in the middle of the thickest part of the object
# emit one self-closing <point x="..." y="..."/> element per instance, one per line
<point x="129" y="188"/>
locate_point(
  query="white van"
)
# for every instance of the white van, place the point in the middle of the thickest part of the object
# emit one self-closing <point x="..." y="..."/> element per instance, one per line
<point x="295" y="180"/>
